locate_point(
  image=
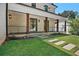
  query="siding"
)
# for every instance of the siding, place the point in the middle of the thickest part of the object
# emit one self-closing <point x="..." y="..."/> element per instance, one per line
<point x="51" y="24"/>
<point x="30" y="10"/>
<point x="2" y="22"/>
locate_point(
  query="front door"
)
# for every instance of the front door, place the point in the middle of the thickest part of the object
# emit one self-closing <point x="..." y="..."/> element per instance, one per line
<point x="46" y="25"/>
<point x="33" y="24"/>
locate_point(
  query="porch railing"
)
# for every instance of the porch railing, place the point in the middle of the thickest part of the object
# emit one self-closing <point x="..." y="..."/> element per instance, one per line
<point x="16" y="29"/>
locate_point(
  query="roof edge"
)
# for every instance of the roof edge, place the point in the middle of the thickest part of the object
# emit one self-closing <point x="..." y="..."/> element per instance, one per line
<point x="39" y="9"/>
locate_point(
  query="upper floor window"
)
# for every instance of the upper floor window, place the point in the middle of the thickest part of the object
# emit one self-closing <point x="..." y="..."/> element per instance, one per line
<point x="34" y="5"/>
<point x="46" y="7"/>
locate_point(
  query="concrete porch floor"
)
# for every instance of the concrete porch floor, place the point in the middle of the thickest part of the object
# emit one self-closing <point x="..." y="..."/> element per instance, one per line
<point x="31" y="34"/>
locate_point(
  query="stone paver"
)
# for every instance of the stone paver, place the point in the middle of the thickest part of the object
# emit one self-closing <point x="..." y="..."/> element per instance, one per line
<point x="59" y="42"/>
<point x="52" y="40"/>
<point x="69" y="46"/>
<point x="77" y="52"/>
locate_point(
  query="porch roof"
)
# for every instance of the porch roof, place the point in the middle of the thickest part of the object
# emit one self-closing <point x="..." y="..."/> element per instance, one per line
<point x="35" y="11"/>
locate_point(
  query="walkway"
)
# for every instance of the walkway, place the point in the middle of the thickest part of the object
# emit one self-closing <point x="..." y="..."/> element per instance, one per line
<point x="64" y="45"/>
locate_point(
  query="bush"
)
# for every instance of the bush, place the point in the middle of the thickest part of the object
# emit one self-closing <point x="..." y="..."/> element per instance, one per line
<point x="74" y="26"/>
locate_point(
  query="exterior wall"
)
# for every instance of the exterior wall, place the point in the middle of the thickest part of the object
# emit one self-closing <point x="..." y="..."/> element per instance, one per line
<point x="17" y="23"/>
<point x="67" y="28"/>
<point x="51" y="8"/>
<point x="2" y="22"/>
<point x="61" y="26"/>
<point x="32" y="11"/>
<point x="40" y="22"/>
<point x="51" y="24"/>
<point x="40" y="5"/>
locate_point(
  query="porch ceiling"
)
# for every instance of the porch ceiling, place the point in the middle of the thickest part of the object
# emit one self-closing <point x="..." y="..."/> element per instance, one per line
<point x="30" y="10"/>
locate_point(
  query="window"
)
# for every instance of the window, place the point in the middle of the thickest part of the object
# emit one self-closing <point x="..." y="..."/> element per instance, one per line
<point x="46" y="7"/>
<point x="33" y="24"/>
<point x="34" y="5"/>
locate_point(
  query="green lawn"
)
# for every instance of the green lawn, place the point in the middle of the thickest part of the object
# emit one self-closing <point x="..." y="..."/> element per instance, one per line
<point x="30" y="47"/>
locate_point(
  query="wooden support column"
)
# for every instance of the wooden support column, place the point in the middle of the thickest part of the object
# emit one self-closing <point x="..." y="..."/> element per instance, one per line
<point x="27" y="25"/>
<point x="57" y="25"/>
<point x="65" y="26"/>
<point x="46" y="24"/>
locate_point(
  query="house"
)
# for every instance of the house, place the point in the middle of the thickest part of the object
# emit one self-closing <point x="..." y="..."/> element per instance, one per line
<point x="29" y="17"/>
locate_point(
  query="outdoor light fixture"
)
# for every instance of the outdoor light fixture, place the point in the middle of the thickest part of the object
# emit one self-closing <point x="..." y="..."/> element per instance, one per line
<point x="10" y="16"/>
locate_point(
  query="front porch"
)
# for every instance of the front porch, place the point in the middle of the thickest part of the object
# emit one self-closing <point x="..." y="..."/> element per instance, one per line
<point x="25" y="25"/>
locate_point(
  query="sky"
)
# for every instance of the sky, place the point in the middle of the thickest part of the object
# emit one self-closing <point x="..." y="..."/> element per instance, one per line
<point x="66" y="6"/>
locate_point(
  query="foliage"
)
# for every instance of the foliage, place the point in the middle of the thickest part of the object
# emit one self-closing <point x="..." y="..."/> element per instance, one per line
<point x="69" y="14"/>
<point x="74" y="29"/>
<point x="73" y="17"/>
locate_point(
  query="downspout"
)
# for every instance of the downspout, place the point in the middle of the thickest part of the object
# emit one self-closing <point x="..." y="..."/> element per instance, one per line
<point x="6" y="21"/>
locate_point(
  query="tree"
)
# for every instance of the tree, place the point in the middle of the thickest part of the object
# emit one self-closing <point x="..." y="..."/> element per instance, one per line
<point x="69" y="14"/>
<point x="74" y="29"/>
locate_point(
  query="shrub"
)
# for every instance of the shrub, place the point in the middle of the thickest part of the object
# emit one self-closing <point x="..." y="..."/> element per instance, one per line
<point x="74" y="26"/>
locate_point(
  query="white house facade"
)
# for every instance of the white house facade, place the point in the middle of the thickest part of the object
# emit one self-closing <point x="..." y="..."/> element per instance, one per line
<point x="29" y="17"/>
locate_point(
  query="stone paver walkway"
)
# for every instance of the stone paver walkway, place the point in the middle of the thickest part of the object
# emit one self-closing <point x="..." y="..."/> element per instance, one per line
<point x="52" y="40"/>
<point x="59" y="42"/>
<point x="77" y="52"/>
<point x="69" y="46"/>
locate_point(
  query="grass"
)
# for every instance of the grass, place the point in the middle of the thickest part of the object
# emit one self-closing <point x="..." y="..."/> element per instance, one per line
<point x="69" y="39"/>
<point x="30" y="47"/>
<point x="68" y="52"/>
